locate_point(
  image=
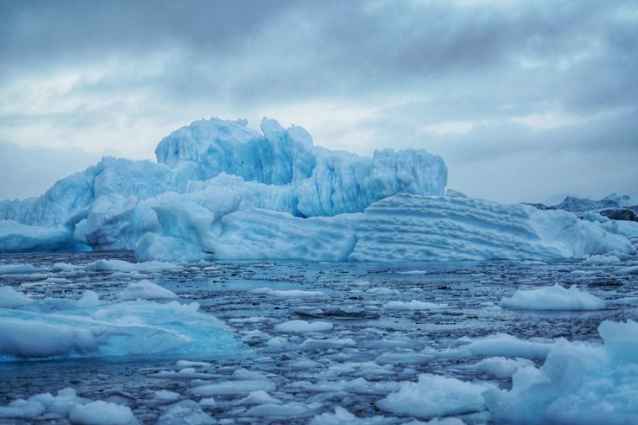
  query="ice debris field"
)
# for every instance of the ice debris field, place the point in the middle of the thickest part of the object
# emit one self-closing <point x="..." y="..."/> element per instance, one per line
<point x="320" y="343"/>
<point x="252" y="277"/>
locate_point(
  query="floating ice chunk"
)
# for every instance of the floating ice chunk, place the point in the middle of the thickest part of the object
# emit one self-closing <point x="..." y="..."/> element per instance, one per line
<point x="277" y="342"/>
<point x="290" y="410"/>
<point x="342" y="417"/>
<point x="585" y="384"/>
<point x="382" y="291"/>
<point x="18" y="269"/>
<point x="68" y="405"/>
<point x="186" y="412"/>
<point x="437" y="421"/>
<point x="324" y="344"/>
<point x="602" y="260"/>
<point x="628" y="270"/>
<point x="146" y="290"/>
<point x="259" y="397"/>
<point x="356" y="386"/>
<point x="553" y="298"/>
<point x="235" y="387"/>
<point x="434" y="395"/>
<point x="413" y="272"/>
<point x="208" y="402"/>
<point x="102" y="413"/>
<point x="502" y="367"/>
<point x="412" y="305"/>
<point x="10" y="298"/>
<point x="125" y="266"/>
<point x="88" y="300"/>
<point x="166" y="395"/>
<point x="116" y="329"/>
<point x="290" y="293"/>
<point x="183" y="364"/>
<point x="401" y="358"/>
<point x="301" y="326"/>
<point x="243" y="373"/>
<point x="505" y="345"/>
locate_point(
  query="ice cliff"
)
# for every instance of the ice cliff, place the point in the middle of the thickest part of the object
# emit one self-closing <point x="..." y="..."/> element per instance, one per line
<point x="222" y="190"/>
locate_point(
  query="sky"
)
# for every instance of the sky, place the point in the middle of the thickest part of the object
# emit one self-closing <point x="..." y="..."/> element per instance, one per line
<point x="523" y="99"/>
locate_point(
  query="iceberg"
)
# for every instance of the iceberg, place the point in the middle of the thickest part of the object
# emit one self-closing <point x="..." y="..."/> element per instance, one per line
<point x="221" y="190"/>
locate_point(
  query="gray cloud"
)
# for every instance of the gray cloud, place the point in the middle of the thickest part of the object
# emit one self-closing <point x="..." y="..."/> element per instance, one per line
<point x="26" y="172"/>
<point x="119" y="74"/>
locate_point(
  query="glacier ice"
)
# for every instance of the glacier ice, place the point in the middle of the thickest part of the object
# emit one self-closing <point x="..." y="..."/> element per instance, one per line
<point x="221" y="190"/>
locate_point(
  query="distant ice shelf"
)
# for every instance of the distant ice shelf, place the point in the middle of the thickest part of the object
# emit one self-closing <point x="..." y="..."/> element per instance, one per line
<point x="220" y="190"/>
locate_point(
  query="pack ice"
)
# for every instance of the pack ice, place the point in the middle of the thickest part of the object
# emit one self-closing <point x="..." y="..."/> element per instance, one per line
<point x="222" y="190"/>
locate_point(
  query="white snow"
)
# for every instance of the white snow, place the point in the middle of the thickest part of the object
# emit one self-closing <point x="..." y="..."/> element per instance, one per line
<point x="10" y="298"/>
<point x="553" y="298"/>
<point x="434" y="395"/>
<point x="301" y="326"/>
<point x="146" y="290"/>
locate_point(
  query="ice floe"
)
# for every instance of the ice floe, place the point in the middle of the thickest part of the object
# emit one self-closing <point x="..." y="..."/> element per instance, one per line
<point x="553" y="297"/>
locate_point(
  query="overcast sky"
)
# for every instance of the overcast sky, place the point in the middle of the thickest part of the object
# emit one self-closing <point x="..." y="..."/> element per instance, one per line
<point x="522" y="99"/>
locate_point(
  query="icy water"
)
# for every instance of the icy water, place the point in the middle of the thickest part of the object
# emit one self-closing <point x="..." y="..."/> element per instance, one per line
<point x="368" y="351"/>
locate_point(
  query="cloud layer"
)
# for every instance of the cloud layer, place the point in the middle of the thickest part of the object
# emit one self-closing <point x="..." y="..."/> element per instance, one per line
<point x="521" y="98"/>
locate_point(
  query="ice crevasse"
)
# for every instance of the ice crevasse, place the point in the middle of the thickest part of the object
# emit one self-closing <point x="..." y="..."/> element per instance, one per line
<point x="221" y="190"/>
